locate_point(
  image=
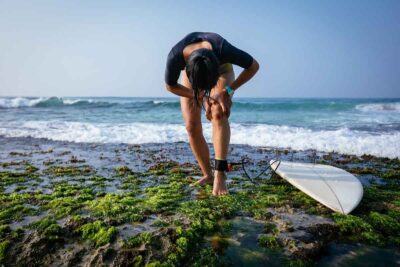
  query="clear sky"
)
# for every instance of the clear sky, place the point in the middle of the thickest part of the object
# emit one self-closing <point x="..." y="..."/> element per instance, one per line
<point x="118" y="48"/>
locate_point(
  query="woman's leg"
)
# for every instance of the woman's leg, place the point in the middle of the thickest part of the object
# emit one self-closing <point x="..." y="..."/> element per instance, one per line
<point x="221" y="133"/>
<point x="192" y="118"/>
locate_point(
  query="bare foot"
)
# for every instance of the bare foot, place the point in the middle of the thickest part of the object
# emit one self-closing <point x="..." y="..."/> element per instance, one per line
<point x="219" y="187"/>
<point x="204" y="180"/>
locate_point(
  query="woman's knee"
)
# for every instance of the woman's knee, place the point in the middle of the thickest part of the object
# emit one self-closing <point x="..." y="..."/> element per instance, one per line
<point x="216" y="113"/>
<point x="194" y="128"/>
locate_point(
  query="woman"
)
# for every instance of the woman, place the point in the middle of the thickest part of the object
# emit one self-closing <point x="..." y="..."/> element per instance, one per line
<point x="205" y="60"/>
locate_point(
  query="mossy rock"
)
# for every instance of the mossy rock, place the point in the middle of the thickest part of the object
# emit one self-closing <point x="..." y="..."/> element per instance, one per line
<point x="138" y="240"/>
<point x="268" y="241"/>
<point x="48" y="227"/>
<point x="384" y="223"/>
<point x="356" y="229"/>
<point x="98" y="233"/>
<point x="4" y="245"/>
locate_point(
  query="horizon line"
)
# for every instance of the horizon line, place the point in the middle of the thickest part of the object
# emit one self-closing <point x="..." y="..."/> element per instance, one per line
<point x="274" y="97"/>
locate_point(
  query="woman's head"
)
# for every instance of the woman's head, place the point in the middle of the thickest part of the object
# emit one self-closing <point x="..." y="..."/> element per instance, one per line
<point x="202" y="71"/>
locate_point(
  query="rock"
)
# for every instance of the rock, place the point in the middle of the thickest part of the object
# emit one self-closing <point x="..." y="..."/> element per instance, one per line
<point x="303" y="235"/>
<point x="124" y="257"/>
<point x="35" y="250"/>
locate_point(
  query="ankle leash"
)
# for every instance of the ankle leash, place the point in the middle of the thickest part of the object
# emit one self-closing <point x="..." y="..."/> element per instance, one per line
<point x="223" y="165"/>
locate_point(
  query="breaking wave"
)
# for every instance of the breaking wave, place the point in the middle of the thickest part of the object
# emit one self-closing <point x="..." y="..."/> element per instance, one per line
<point x="341" y="140"/>
<point x="391" y="107"/>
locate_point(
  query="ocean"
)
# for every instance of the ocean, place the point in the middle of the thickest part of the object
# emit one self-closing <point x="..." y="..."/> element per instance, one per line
<point x="351" y="126"/>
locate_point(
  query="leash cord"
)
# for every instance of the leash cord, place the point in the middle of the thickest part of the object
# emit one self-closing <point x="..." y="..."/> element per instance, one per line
<point x="253" y="180"/>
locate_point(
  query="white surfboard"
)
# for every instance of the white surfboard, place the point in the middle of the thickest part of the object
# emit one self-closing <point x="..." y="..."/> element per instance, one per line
<point x="333" y="187"/>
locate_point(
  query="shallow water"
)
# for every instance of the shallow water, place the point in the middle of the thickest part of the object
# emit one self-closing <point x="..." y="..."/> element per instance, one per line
<point x="345" y="255"/>
<point x="241" y="248"/>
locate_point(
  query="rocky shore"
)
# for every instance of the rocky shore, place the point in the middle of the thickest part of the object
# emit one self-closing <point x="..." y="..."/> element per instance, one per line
<point x="90" y="204"/>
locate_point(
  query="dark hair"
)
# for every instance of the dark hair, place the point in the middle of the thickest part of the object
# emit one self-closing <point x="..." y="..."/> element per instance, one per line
<point x="202" y="71"/>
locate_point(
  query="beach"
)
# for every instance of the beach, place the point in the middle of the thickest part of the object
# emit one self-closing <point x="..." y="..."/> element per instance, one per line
<point x="118" y="204"/>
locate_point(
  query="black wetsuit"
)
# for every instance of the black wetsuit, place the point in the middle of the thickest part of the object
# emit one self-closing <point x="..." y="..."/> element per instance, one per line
<point x="225" y="52"/>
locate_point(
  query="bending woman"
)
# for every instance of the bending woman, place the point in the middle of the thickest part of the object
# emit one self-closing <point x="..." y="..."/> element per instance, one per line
<point x="205" y="60"/>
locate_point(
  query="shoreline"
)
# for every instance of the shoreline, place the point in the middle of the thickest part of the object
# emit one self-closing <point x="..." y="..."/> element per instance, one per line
<point x="120" y="204"/>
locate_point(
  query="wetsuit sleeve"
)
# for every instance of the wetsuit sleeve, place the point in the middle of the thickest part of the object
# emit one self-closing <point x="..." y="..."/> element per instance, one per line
<point x="172" y="70"/>
<point x="236" y="56"/>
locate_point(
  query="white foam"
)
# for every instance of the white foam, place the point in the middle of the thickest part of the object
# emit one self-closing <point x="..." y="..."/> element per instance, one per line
<point x="391" y="107"/>
<point x="20" y="102"/>
<point x="72" y="101"/>
<point x="342" y="140"/>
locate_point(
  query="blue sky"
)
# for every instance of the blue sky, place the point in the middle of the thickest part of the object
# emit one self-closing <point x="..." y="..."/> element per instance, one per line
<point x="118" y="48"/>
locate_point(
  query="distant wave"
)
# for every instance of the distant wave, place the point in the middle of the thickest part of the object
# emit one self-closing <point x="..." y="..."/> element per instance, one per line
<point x="273" y="105"/>
<point x="53" y="102"/>
<point x="391" y="107"/>
<point x="18" y="102"/>
<point x="21" y="102"/>
<point x="341" y="140"/>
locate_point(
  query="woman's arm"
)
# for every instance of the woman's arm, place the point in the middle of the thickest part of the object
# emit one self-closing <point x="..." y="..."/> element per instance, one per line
<point x="224" y="99"/>
<point x="180" y="90"/>
<point x="245" y="75"/>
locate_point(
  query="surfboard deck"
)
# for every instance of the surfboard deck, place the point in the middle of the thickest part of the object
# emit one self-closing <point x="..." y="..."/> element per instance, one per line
<point x="335" y="188"/>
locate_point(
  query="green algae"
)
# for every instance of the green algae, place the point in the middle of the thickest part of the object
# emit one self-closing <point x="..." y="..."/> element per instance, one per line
<point x="118" y="207"/>
<point x="69" y="170"/>
<point x="137" y="261"/>
<point x="270" y="228"/>
<point x="384" y="223"/>
<point x="268" y="241"/>
<point x="48" y="227"/>
<point x="13" y="207"/>
<point x="4" y="230"/>
<point x="17" y="153"/>
<point x="163" y="189"/>
<point x="391" y="174"/>
<point x="377" y="216"/>
<point x="160" y="223"/>
<point x="66" y="199"/>
<point x="163" y="198"/>
<point x="4" y="245"/>
<point x="13" y="163"/>
<point x="356" y="229"/>
<point x="123" y="170"/>
<point x="31" y="169"/>
<point x="138" y="240"/>
<point x="98" y="180"/>
<point x="98" y="233"/>
<point x="204" y="215"/>
<point x="8" y="178"/>
<point x="163" y="167"/>
<point x="131" y="182"/>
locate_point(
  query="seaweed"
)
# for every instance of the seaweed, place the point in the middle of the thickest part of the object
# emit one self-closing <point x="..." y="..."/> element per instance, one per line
<point x="4" y="245"/>
<point x="138" y="240"/>
<point x="69" y="170"/>
<point x="98" y="233"/>
<point x="48" y="227"/>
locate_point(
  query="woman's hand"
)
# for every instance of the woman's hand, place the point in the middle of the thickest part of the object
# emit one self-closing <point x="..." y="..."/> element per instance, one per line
<point x="223" y="98"/>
